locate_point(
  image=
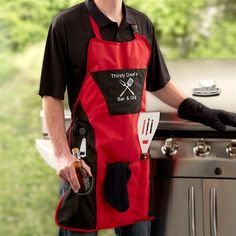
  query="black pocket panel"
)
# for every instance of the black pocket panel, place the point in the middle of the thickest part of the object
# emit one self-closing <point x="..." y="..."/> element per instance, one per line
<point x="79" y="211"/>
<point x="122" y="89"/>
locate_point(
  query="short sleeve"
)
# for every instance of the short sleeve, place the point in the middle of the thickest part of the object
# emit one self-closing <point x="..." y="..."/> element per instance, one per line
<point x="157" y="74"/>
<point x="56" y="66"/>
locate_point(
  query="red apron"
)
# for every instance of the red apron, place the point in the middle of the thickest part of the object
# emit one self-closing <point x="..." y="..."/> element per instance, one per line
<point x="108" y="106"/>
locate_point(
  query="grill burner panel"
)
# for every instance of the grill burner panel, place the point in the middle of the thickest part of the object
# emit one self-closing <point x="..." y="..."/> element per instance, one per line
<point x="186" y="149"/>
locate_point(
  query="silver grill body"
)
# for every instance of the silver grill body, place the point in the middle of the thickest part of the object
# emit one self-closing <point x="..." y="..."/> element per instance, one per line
<point x="195" y="194"/>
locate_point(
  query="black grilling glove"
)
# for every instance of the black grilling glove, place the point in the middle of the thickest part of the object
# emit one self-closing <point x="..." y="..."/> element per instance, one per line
<point x="192" y="110"/>
<point x="116" y="186"/>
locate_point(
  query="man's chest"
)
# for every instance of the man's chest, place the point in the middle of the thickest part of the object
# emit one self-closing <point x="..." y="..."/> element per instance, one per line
<point x="78" y="43"/>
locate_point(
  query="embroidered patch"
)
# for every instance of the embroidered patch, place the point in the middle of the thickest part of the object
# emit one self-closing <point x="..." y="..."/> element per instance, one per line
<point x="122" y="89"/>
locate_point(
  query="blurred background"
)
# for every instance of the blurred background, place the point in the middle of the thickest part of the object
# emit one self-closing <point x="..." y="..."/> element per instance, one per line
<point x="185" y="29"/>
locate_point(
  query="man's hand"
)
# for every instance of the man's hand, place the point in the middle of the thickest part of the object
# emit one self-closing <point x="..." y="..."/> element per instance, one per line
<point x="54" y="116"/>
<point x="66" y="170"/>
<point x="192" y="110"/>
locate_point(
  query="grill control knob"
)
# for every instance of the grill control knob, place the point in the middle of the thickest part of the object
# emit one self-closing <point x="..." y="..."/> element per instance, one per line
<point x="170" y="148"/>
<point x="202" y="149"/>
<point x="231" y="148"/>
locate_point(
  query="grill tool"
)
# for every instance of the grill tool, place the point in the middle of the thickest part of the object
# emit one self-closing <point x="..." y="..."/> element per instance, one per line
<point x="147" y="125"/>
<point x="83" y="145"/>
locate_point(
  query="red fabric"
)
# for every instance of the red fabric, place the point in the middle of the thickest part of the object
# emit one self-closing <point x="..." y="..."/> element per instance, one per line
<point x="95" y="28"/>
<point x="116" y="136"/>
<point x="117" y="55"/>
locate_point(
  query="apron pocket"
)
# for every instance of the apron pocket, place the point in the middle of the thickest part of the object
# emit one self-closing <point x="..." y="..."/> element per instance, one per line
<point x="76" y="211"/>
<point x="116" y="186"/>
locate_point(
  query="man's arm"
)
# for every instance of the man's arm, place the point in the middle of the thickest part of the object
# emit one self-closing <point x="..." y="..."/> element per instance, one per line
<point x="54" y="117"/>
<point x="170" y="95"/>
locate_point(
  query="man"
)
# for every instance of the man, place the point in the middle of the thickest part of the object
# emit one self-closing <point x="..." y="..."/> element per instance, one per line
<point x="106" y="79"/>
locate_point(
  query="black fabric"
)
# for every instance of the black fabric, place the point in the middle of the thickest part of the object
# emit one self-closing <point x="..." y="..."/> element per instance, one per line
<point x="192" y="110"/>
<point x="64" y="64"/>
<point x="75" y="205"/>
<point x="116" y="189"/>
<point x="152" y="197"/>
<point x="81" y="205"/>
<point x="81" y="121"/>
<point x="122" y="89"/>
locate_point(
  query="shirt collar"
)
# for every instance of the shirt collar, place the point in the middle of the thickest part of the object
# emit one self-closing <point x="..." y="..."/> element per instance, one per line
<point x="103" y="20"/>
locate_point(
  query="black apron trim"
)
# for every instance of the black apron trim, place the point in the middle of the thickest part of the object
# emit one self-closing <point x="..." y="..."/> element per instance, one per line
<point x="73" y="204"/>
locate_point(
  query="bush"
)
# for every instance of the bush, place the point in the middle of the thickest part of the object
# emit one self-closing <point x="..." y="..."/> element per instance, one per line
<point x="185" y="29"/>
<point x="193" y="29"/>
<point x="25" y="22"/>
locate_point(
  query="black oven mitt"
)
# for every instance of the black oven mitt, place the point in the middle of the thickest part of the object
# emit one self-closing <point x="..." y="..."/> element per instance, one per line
<point x="116" y="189"/>
<point x="192" y="110"/>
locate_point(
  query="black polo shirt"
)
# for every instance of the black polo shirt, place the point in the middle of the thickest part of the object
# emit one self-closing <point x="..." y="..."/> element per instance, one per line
<point x="64" y="64"/>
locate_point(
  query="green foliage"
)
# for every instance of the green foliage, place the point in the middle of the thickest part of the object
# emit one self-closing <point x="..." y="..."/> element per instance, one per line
<point x="24" y="22"/>
<point x="173" y="21"/>
<point x="184" y="28"/>
<point x="220" y="45"/>
<point x="193" y="29"/>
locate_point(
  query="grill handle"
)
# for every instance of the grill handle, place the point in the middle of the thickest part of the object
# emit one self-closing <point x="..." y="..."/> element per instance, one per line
<point x="191" y="211"/>
<point x="213" y="212"/>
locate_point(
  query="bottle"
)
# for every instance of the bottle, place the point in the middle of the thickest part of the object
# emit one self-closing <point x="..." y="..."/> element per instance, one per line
<point x="85" y="181"/>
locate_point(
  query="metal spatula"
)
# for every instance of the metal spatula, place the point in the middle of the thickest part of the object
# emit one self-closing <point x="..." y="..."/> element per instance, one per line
<point x="147" y="125"/>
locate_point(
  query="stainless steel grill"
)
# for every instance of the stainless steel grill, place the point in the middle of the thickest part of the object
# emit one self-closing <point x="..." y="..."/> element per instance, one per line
<point x="195" y="172"/>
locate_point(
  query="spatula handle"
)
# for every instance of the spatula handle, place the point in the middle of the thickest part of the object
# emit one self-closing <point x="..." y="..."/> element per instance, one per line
<point x="144" y="156"/>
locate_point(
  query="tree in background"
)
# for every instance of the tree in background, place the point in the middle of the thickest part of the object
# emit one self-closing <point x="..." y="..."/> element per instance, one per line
<point x="185" y="28"/>
<point x="218" y="40"/>
<point x="25" y="22"/>
<point x="193" y="29"/>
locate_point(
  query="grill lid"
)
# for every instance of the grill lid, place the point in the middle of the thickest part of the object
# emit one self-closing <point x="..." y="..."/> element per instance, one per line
<point x="211" y="82"/>
<point x="187" y="75"/>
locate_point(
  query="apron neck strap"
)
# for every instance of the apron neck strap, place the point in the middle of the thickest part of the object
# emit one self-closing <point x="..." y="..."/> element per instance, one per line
<point x="135" y="31"/>
<point x="97" y="31"/>
<point x="95" y="27"/>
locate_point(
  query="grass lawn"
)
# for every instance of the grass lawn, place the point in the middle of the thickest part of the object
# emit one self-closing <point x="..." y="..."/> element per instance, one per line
<point x="28" y="187"/>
